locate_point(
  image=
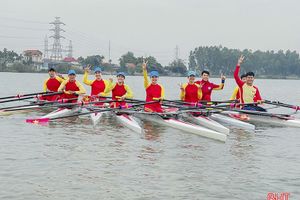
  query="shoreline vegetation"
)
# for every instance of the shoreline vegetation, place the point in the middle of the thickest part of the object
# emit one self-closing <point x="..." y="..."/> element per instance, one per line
<point x="216" y="59"/>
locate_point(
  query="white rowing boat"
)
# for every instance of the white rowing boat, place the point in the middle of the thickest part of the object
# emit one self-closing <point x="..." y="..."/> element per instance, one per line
<point x="185" y="126"/>
<point x="232" y="122"/>
<point x="288" y="121"/>
<point x="61" y="112"/>
<point x="129" y="122"/>
<point x="207" y="122"/>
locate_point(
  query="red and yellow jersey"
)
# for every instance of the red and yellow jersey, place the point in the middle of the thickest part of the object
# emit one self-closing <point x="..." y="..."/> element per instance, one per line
<point x="248" y="94"/>
<point x="207" y="88"/>
<point x="97" y="86"/>
<point x="52" y="84"/>
<point x="74" y="86"/>
<point x="191" y="93"/>
<point x="153" y="93"/>
<point x="118" y="91"/>
<point x="236" y="93"/>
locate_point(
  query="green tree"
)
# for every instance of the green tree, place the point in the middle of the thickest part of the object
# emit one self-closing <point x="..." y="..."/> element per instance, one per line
<point x="178" y="67"/>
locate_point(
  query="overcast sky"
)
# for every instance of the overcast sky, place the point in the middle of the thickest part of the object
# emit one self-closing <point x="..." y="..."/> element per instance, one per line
<point x="152" y="27"/>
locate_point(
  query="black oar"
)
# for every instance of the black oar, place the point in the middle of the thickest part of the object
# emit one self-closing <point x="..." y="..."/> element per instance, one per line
<point x="200" y="102"/>
<point x="277" y="103"/>
<point x="31" y="97"/>
<point x="24" y="95"/>
<point x="259" y="113"/>
<point x="81" y="104"/>
<point x="37" y="103"/>
<point x="46" y="120"/>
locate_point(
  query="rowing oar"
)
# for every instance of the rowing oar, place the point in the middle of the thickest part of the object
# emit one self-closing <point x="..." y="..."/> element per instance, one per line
<point x="24" y="95"/>
<point x="252" y="112"/>
<point x="79" y="104"/>
<point x="46" y="120"/>
<point x="278" y="103"/>
<point x="31" y="97"/>
<point x="37" y="103"/>
<point x="200" y="102"/>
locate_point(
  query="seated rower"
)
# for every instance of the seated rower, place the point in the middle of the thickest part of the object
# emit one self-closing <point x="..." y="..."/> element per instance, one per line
<point x="52" y="84"/>
<point x="208" y="87"/>
<point x="98" y="85"/>
<point x="191" y="92"/>
<point x="154" y="91"/>
<point x="236" y="92"/>
<point x="71" y="87"/>
<point x="120" y="91"/>
<point x="248" y="92"/>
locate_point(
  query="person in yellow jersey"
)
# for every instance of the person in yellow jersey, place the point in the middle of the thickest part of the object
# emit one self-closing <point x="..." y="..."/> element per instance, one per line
<point x="154" y="91"/>
<point x="236" y="92"/>
<point x="71" y="87"/>
<point x="190" y="91"/>
<point x="120" y="91"/>
<point x="52" y="84"/>
<point x="98" y="85"/>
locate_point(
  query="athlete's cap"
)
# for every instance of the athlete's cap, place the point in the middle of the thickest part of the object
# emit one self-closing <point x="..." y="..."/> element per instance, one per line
<point x="154" y="73"/>
<point x="71" y="72"/>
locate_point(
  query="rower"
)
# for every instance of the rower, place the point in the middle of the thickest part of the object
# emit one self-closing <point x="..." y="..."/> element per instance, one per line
<point x="71" y="87"/>
<point x="154" y="91"/>
<point x="120" y="91"/>
<point x="208" y="87"/>
<point x="236" y="92"/>
<point x="191" y="92"/>
<point x="98" y="85"/>
<point x="52" y="84"/>
<point x="248" y="92"/>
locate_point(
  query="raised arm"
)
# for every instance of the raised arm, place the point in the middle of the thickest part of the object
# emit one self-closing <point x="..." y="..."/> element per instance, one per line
<point x="146" y="81"/>
<point x="237" y="78"/>
<point x="85" y="76"/>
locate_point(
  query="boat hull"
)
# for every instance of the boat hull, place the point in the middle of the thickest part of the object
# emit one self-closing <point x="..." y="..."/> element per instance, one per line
<point x="208" y="123"/>
<point x="186" y="127"/>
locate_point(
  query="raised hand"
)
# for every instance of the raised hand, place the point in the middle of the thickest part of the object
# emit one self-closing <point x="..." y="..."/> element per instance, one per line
<point x="87" y="68"/>
<point x="241" y="60"/>
<point x="144" y="65"/>
<point x="223" y="77"/>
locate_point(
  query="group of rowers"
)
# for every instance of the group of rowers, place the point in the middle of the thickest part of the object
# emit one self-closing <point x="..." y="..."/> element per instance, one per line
<point x="191" y="92"/>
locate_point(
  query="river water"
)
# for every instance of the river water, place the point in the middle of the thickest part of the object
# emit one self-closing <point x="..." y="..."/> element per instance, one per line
<point x="74" y="160"/>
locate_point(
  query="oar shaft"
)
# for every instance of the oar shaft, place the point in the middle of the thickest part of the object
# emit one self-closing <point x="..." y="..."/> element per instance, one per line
<point x="24" y="95"/>
<point x="31" y="97"/>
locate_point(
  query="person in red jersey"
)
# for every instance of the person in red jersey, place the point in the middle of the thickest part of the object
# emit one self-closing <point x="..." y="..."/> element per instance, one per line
<point x="208" y="87"/>
<point x="71" y="87"/>
<point x="191" y="92"/>
<point x="120" y="91"/>
<point x="98" y="85"/>
<point x="248" y="92"/>
<point x="154" y="91"/>
<point x="52" y="84"/>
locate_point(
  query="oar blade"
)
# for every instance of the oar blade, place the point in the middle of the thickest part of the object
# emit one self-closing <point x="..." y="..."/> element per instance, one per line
<point x="38" y="121"/>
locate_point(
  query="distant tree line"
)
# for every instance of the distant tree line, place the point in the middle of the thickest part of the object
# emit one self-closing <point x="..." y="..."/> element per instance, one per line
<point x="218" y="59"/>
